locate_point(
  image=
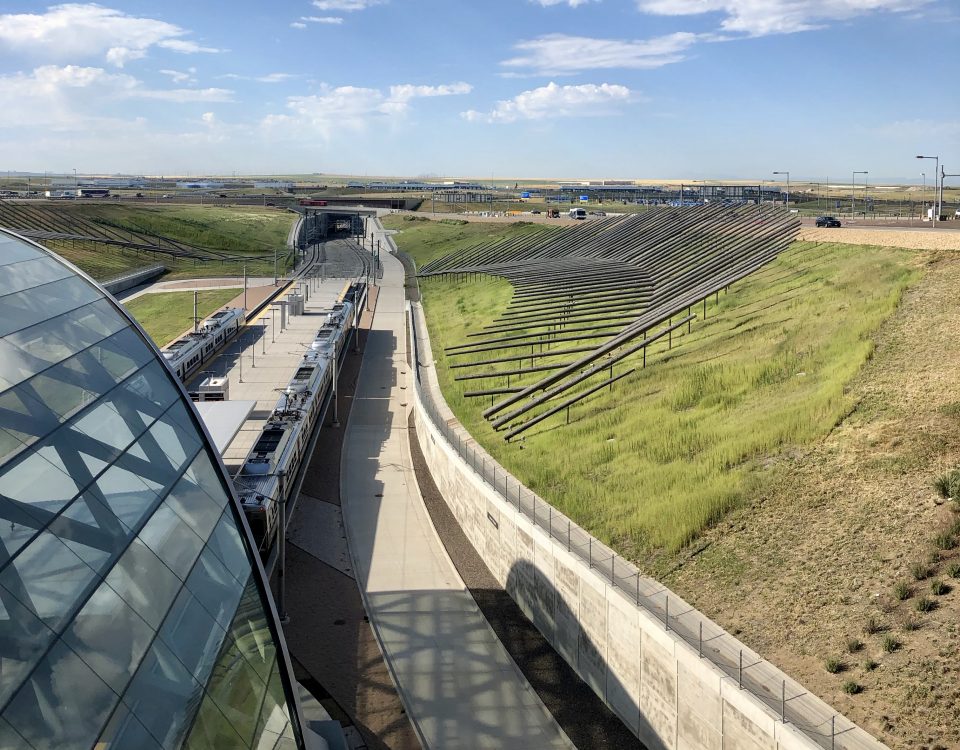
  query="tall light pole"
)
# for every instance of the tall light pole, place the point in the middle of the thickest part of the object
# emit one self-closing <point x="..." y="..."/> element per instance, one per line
<point x="923" y="194"/>
<point x="853" y="194"/>
<point x="788" y="187"/>
<point x="936" y="199"/>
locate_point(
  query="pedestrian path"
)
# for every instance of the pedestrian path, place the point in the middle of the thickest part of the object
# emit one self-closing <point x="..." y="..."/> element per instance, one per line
<point x="457" y="682"/>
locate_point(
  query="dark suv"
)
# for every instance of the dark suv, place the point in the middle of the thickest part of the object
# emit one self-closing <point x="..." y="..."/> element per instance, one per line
<point x="827" y="221"/>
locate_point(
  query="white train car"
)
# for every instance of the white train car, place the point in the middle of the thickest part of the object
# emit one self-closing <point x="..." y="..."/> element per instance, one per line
<point x="188" y="353"/>
<point x="271" y="466"/>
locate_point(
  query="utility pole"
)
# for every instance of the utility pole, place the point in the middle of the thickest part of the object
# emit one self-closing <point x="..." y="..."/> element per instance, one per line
<point x="936" y="199"/>
<point x="244" y="286"/>
<point x="275" y="265"/>
<point x="196" y="319"/>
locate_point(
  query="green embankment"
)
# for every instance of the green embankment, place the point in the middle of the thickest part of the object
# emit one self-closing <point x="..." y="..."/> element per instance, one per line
<point x="247" y="232"/>
<point x="648" y="465"/>
<point x="165" y="315"/>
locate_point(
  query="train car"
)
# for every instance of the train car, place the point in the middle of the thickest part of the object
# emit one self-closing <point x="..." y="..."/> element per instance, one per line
<point x="272" y="464"/>
<point x="312" y="202"/>
<point x="188" y="353"/>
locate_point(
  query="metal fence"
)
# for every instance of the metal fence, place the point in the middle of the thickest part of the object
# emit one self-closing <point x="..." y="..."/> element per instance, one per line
<point x="786" y="698"/>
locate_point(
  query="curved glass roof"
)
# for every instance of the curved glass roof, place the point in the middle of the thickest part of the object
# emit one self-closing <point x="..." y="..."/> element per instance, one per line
<point x="131" y="613"/>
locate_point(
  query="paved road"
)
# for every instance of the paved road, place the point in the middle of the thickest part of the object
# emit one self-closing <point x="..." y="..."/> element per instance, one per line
<point x="456" y="680"/>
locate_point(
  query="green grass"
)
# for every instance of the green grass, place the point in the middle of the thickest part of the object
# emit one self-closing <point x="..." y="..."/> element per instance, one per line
<point x="677" y="445"/>
<point x="165" y="315"/>
<point x="237" y="230"/>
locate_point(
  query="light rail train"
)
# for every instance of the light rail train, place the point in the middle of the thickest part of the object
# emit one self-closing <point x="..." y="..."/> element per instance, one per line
<point x="187" y="354"/>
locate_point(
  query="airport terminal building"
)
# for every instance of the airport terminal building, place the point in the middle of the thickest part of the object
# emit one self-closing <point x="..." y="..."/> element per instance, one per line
<point x="134" y="611"/>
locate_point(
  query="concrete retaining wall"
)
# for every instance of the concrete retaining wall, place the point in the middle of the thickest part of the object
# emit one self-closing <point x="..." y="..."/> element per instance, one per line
<point x="650" y="677"/>
<point x="130" y="280"/>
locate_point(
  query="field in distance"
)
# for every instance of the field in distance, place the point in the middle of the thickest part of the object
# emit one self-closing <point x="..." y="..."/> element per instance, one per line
<point x="165" y="315"/>
<point x="775" y="466"/>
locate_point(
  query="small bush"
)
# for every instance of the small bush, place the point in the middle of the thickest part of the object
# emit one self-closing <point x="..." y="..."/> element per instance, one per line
<point x="869" y="665"/>
<point x="948" y="485"/>
<point x="945" y="540"/>
<point x="851" y="687"/>
<point x="872" y="626"/>
<point x="920" y="571"/>
<point x="854" y="645"/>
<point x="925" y="604"/>
<point x="834" y="666"/>
<point x="911" y="624"/>
<point x="939" y="588"/>
<point x="953" y="570"/>
<point x="890" y="644"/>
<point x="902" y="591"/>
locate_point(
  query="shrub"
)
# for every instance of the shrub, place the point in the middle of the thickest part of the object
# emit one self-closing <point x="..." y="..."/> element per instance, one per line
<point x="948" y="485"/>
<point x="920" y="571"/>
<point x="854" y="645"/>
<point x="953" y="570"/>
<point x="869" y="665"/>
<point x="834" y="666"/>
<point x="925" y="604"/>
<point x="872" y="626"/>
<point x="945" y="540"/>
<point x="902" y="590"/>
<point x="851" y="687"/>
<point x="890" y="644"/>
<point x="911" y="624"/>
<point x="939" y="588"/>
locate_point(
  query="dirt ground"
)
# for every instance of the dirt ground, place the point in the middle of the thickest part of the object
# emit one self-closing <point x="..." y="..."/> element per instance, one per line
<point x="813" y="556"/>
<point x="917" y="239"/>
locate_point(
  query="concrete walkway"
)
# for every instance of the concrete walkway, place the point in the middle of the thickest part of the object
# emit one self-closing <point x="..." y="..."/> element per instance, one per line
<point x="457" y="682"/>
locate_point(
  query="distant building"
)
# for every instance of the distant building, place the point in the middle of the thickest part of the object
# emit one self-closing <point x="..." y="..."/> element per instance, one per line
<point x="273" y="185"/>
<point x="200" y="185"/>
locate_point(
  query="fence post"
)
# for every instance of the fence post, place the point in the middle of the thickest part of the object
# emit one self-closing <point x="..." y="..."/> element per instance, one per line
<point x="613" y="569"/>
<point x="550" y="519"/>
<point x="833" y="732"/>
<point x="666" y="614"/>
<point x="591" y="550"/>
<point x="783" y="702"/>
<point x="568" y="535"/>
<point x="740" y="672"/>
<point x="700" y="647"/>
<point x="638" y="588"/>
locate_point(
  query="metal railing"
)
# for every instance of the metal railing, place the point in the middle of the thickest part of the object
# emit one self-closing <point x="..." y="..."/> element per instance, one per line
<point x="784" y="697"/>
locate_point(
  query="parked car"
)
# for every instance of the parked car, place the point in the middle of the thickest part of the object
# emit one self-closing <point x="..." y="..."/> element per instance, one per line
<point x="828" y="221"/>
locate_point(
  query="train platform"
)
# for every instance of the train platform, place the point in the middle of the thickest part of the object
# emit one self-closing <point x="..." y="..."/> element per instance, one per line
<point x="457" y="682"/>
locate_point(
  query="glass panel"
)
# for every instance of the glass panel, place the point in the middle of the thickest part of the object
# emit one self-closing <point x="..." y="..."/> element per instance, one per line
<point x="105" y="424"/>
<point x="212" y="729"/>
<point x="91" y="530"/>
<point x="110" y="637"/>
<point x="23" y="640"/>
<point x="66" y="388"/>
<point x="251" y="632"/>
<point x="25" y="417"/>
<point x="36" y="481"/>
<point x="195" y="506"/>
<point x="216" y="589"/>
<point x="192" y="635"/>
<point x="203" y="473"/>
<point x="237" y="691"/>
<point x="18" y="525"/>
<point x="30" y="273"/>
<point x="13" y="250"/>
<point x="125" y="494"/>
<point x="226" y="544"/>
<point x="153" y="384"/>
<point x="172" y="540"/>
<point x="10" y="738"/>
<point x="178" y="444"/>
<point x="47" y="578"/>
<point x="24" y="309"/>
<point x="122" y="354"/>
<point x="163" y="696"/>
<point x="274" y="716"/>
<point x="149" y="461"/>
<point x="125" y="732"/>
<point x="63" y="704"/>
<point x="145" y="583"/>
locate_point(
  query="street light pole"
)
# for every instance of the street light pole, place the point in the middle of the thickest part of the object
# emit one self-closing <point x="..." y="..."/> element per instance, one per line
<point x="936" y="199"/>
<point x="923" y="195"/>
<point x="788" y="187"/>
<point x="853" y="194"/>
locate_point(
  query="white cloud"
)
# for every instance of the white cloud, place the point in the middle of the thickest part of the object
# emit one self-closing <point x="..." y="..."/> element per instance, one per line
<point x="70" y="97"/>
<point x="74" y="31"/>
<point x="298" y="25"/>
<point x="559" y="54"/>
<point x="268" y="78"/>
<point x="571" y="3"/>
<point x="762" y="17"/>
<point x="550" y="101"/>
<point x="329" y="20"/>
<point x="348" y="6"/>
<point x="353" y="107"/>
<point x="180" y="76"/>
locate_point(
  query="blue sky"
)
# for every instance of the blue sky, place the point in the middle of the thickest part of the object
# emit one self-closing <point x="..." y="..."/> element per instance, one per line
<point x="695" y="89"/>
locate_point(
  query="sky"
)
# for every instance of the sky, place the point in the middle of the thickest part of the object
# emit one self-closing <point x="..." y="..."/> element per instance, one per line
<point x="617" y="89"/>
